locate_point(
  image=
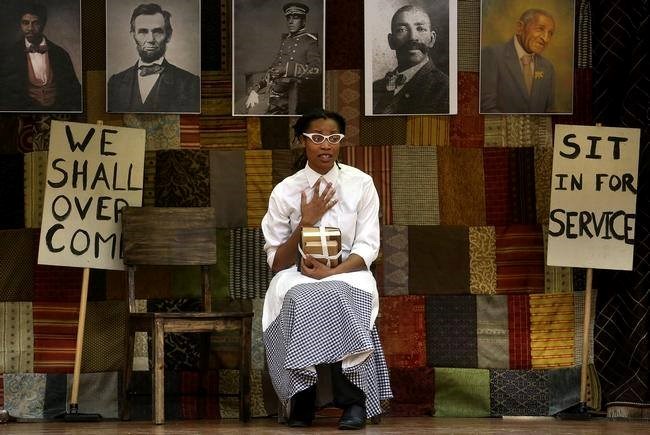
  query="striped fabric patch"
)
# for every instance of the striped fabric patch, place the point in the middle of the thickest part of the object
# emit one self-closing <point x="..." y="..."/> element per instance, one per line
<point x="414" y="186"/>
<point x="149" y="179"/>
<point x="55" y="335"/>
<point x="95" y="87"/>
<point x="345" y="97"/>
<point x="182" y="178"/>
<point x="482" y="260"/>
<point x="520" y="259"/>
<point x="395" y="260"/>
<point x="519" y="331"/>
<point x="228" y="187"/>
<point x="163" y="131"/>
<point x="104" y="336"/>
<point x="382" y="130"/>
<point x="461" y="186"/>
<point x="190" y="126"/>
<point x="254" y="131"/>
<point x="375" y="161"/>
<point x="466" y="128"/>
<point x="16" y="337"/>
<point x="259" y="184"/>
<point x="579" y="317"/>
<point x="556" y="279"/>
<point x="427" y="130"/>
<point x="216" y="88"/>
<point x="469" y="31"/>
<point x="492" y="331"/>
<point x="223" y="132"/>
<point x="519" y="392"/>
<point x="552" y="330"/>
<point x="35" y="177"/>
<point x="403" y="338"/>
<point x="17" y="260"/>
<point x="543" y="173"/>
<point x="498" y="209"/>
<point x="249" y="274"/>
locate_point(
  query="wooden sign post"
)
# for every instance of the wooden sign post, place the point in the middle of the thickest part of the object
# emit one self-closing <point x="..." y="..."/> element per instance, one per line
<point x="93" y="172"/>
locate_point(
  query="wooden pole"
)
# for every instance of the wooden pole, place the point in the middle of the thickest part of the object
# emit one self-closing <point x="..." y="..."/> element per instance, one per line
<point x="585" y="341"/>
<point x="74" y="404"/>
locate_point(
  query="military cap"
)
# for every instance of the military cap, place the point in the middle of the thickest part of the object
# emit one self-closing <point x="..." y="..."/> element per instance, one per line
<point x="295" y="8"/>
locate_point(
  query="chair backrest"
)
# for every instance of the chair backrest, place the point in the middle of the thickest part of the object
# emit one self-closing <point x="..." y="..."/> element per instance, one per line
<point x="169" y="236"/>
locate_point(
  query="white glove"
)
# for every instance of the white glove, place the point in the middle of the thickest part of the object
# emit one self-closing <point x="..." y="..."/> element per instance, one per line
<point x="252" y="99"/>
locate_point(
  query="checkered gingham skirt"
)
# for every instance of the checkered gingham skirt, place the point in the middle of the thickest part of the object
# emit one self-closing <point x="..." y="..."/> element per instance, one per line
<point x="321" y="323"/>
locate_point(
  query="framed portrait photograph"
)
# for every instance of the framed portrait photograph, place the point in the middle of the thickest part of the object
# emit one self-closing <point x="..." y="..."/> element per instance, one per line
<point x="278" y="57"/>
<point x="153" y="56"/>
<point x="410" y="57"/>
<point x="40" y="48"/>
<point x="527" y="56"/>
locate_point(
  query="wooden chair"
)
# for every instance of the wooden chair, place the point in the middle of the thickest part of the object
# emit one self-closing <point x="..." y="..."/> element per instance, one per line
<point x="177" y="236"/>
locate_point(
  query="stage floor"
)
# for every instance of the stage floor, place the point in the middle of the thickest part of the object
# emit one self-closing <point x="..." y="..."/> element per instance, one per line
<point x="267" y="426"/>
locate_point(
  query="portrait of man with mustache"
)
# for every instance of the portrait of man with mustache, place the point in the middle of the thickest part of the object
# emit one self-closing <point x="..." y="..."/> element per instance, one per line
<point x="416" y="85"/>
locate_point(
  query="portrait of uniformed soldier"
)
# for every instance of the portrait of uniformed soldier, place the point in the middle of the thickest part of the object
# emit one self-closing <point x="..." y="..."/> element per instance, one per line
<point x="294" y="80"/>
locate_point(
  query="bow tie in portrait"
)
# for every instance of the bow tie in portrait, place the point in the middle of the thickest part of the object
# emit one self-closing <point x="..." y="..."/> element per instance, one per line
<point x="36" y="49"/>
<point x="394" y="80"/>
<point x="147" y="70"/>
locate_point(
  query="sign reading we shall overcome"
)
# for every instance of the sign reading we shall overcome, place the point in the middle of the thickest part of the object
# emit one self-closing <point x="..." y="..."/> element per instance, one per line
<point x="593" y="197"/>
<point x="93" y="171"/>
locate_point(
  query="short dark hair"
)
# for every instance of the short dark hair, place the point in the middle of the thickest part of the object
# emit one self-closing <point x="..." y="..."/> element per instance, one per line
<point x="302" y="124"/>
<point x="153" y="9"/>
<point x="35" y="9"/>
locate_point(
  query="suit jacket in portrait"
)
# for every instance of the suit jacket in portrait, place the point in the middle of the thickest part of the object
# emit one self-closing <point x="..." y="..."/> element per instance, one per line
<point x="14" y="81"/>
<point x="426" y="92"/>
<point x="175" y="91"/>
<point x="503" y="89"/>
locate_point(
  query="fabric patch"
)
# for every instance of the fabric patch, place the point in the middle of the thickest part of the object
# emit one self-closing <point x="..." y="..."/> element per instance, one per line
<point x="519" y="131"/>
<point x="226" y="344"/>
<point x="229" y="384"/>
<point x="283" y="163"/>
<point x="462" y="392"/>
<point x="579" y="317"/>
<point x="257" y="340"/>
<point x="519" y="331"/>
<point x="520" y="259"/>
<point x="182" y="178"/>
<point x="395" y="260"/>
<point x="492" y="331"/>
<point x="519" y="392"/>
<point x="582" y="99"/>
<point x="427" y="130"/>
<point x="141" y="402"/>
<point x="55" y="402"/>
<point x="274" y="132"/>
<point x="552" y="330"/>
<point x="557" y="279"/>
<point x="522" y="186"/>
<point x="222" y="132"/>
<point x="16" y="337"/>
<point x="11" y="194"/>
<point x="563" y="389"/>
<point x="249" y="274"/>
<point x="24" y="394"/>
<point x="403" y="337"/>
<point x="451" y="320"/>
<point x="254" y="130"/>
<point x="259" y="179"/>
<point x="376" y="162"/>
<point x="190" y="136"/>
<point x="97" y="393"/>
<point x="498" y="207"/>
<point x="228" y="188"/>
<point x="104" y="336"/>
<point x="35" y="178"/>
<point x="466" y="128"/>
<point x="438" y="259"/>
<point x="216" y="88"/>
<point x="543" y="173"/>
<point x="460" y="182"/>
<point x="226" y="45"/>
<point x="34" y="129"/>
<point x="93" y="36"/>
<point x="210" y="34"/>
<point x="95" y="82"/>
<point x="382" y="130"/>
<point x="344" y="90"/>
<point x="412" y="168"/>
<point x="413" y="390"/>
<point x="163" y="131"/>
<point x="55" y="283"/>
<point x="149" y="180"/>
<point x="482" y="260"/>
<point x="17" y="260"/>
<point x="55" y="336"/>
<point x="192" y="386"/>
<point x="349" y="51"/>
<point x="151" y="282"/>
<point x="469" y="31"/>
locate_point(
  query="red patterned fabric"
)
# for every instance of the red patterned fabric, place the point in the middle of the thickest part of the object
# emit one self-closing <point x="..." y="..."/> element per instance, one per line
<point x="55" y="283"/>
<point x="190" y="391"/>
<point x="520" y="259"/>
<point x="55" y="335"/>
<point x="375" y="161"/>
<point x="413" y="391"/>
<point x="497" y="191"/>
<point x="190" y="137"/>
<point x="466" y="129"/>
<point x="519" y="331"/>
<point x="403" y="337"/>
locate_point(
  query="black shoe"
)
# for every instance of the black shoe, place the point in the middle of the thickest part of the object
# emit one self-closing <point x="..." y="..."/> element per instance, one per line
<point x="302" y="408"/>
<point x="298" y="423"/>
<point x="353" y="418"/>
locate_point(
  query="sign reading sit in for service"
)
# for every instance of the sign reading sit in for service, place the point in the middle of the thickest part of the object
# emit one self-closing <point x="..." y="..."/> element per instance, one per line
<point x="593" y="197"/>
<point x="93" y="171"/>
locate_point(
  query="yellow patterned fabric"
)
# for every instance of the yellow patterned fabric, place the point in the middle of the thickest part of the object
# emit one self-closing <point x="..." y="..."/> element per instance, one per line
<point x="557" y="279"/>
<point x="259" y="183"/>
<point x="482" y="260"/>
<point x="254" y="131"/>
<point x="427" y="130"/>
<point x="35" y="177"/>
<point x="552" y="330"/>
<point x="16" y="337"/>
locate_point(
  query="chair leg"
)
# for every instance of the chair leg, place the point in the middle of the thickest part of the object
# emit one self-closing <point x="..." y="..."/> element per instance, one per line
<point x="158" y="373"/>
<point x="127" y="373"/>
<point x="245" y="371"/>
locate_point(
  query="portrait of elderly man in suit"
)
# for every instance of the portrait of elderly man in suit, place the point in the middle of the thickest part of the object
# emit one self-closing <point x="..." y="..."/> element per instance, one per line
<point x="153" y="84"/>
<point x="36" y="74"/>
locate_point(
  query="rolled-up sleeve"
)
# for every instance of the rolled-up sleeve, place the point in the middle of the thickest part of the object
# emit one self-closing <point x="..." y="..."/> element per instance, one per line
<point x="366" y="240"/>
<point x="275" y="226"/>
